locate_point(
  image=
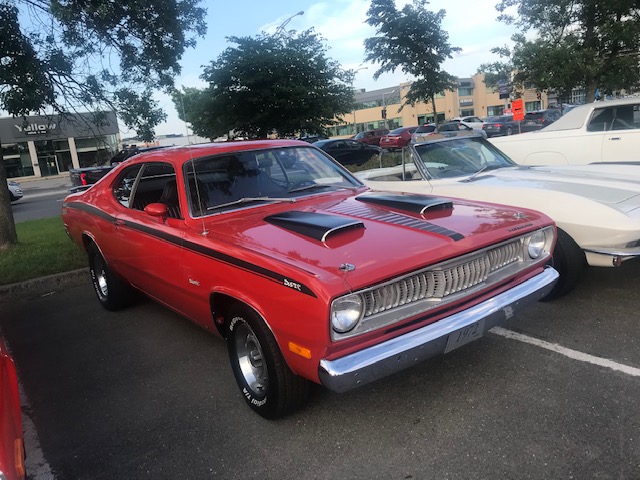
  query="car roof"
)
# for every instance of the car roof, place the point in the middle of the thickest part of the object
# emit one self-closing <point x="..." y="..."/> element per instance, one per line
<point x="576" y="117"/>
<point x="180" y="154"/>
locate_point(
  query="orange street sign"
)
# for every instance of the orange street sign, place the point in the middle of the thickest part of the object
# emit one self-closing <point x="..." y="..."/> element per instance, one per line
<point x="518" y="110"/>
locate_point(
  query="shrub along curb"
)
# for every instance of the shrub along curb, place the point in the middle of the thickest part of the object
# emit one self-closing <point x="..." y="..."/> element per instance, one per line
<point x="43" y="285"/>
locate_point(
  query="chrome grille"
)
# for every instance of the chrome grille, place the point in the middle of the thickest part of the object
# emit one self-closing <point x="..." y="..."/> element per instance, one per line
<point x="437" y="282"/>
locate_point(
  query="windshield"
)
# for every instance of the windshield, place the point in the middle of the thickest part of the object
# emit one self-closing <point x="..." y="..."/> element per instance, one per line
<point x="237" y="179"/>
<point x="461" y="156"/>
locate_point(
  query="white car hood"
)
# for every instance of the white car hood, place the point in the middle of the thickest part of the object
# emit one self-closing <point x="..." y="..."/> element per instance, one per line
<point x="607" y="184"/>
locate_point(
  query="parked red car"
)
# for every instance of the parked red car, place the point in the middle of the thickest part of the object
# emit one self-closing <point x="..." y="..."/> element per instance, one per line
<point x="371" y="137"/>
<point x="11" y="437"/>
<point x="306" y="274"/>
<point x="397" y="139"/>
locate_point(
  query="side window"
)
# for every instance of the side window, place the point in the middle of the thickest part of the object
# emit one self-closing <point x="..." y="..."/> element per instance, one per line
<point x="157" y="184"/>
<point x="601" y="120"/>
<point x="625" y="118"/>
<point x="123" y="189"/>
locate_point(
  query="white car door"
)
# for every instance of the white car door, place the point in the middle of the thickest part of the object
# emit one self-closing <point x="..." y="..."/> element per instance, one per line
<point x="621" y="140"/>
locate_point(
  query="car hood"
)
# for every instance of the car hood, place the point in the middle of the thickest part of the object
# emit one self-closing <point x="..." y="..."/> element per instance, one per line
<point x="373" y="236"/>
<point x="606" y="184"/>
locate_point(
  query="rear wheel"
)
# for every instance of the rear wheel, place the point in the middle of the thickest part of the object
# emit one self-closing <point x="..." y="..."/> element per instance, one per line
<point x="112" y="292"/>
<point x="267" y="384"/>
<point x="509" y="131"/>
<point x="570" y="262"/>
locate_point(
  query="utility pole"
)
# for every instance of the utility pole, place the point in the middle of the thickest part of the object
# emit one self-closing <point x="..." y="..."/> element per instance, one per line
<point x="384" y="105"/>
<point x="360" y="67"/>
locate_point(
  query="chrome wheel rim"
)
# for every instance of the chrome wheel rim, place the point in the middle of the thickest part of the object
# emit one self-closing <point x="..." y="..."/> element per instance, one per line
<point x="101" y="278"/>
<point x="251" y="360"/>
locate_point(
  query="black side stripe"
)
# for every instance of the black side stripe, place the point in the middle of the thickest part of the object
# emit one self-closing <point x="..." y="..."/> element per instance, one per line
<point x="200" y="249"/>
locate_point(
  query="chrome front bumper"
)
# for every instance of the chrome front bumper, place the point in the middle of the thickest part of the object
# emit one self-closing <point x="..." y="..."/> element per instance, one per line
<point x="365" y="366"/>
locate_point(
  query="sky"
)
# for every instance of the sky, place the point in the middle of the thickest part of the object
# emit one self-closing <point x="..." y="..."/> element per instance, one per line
<point x="471" y="25"/>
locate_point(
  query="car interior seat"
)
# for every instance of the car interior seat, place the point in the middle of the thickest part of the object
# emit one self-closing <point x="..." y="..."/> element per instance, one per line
<point x="199" y="197"/>
<point x="249" y="178"/>
<point x="170" y="198"/>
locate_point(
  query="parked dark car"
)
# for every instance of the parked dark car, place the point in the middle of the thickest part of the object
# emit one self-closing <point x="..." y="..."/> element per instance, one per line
<point x="539" y="119"/>
<point x="500" y="125"/>
<point x="371" y="137"/>
<point x="347" y="151"/>
<point x="82" y="178"/>
<point x="312" y="138"/>
<point x="397" y="139"/>
<point x="125" y="153"/>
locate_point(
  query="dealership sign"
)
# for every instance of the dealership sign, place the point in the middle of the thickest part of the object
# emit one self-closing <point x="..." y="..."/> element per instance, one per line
<point x="36" y="128"/>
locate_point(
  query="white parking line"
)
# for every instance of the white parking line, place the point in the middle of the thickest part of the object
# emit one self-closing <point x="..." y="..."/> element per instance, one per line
<point x="35" y="464"/>
<point x="567" y="352"/>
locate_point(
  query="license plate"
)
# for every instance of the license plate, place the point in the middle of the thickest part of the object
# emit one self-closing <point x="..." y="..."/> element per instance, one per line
<point x="465" y="335"/>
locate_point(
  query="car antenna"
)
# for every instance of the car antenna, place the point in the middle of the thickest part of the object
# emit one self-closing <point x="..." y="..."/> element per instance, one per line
<point x="204" y="232"/>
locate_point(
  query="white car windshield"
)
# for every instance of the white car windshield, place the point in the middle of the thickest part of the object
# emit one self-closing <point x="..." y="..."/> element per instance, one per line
<point x="460" y="157"/>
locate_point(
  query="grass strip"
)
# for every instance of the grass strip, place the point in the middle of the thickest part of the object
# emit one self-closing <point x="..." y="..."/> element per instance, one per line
<point x="43" y="248"/>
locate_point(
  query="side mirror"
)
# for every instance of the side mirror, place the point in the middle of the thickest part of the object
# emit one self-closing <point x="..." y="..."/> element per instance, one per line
<point x="157" y="210"/>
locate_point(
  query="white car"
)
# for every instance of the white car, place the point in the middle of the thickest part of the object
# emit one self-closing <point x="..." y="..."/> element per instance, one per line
<point x="15" y="192"/>
<point x="596" y="207"/>
<point x="472" y="122"/>
<point x="607" y="131"/>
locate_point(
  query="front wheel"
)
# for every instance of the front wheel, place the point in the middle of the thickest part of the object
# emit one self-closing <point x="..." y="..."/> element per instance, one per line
<point x="570" y="262"/>
<point x="112" y="292"/>
<point x="267" y="384"/>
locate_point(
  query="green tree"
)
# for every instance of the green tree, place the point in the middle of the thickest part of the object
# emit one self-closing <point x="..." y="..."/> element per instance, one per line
<point x="412" y="40"/>
<point x="65" y="56"/>
<point x="582" y="43"/>
<point x="282" y="83"/>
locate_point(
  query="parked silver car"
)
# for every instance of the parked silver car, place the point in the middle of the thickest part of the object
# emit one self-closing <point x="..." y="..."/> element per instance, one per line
<point x="15" y="192"/>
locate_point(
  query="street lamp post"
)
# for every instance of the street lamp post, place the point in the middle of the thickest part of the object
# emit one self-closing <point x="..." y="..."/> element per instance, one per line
<point x="384" y="104"/>
<point x="354" y="106"/>
<point x="280" y="29"/>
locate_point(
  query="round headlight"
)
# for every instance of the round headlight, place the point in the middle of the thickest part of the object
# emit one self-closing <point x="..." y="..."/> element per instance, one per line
<point x="345" y="313"/>
<point x="537" y="241"/>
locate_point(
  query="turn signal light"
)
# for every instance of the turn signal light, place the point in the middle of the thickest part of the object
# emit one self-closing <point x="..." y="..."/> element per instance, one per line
<point x="303" y="352"/>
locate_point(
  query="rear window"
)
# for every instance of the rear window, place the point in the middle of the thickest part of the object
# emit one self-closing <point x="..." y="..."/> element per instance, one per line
<point x="534" y="116"/>
<point x="425" y="129"/>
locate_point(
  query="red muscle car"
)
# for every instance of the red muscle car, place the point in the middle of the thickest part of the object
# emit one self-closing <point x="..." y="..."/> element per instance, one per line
<point x="11" y="439"/>
<point x="306" y="274"/>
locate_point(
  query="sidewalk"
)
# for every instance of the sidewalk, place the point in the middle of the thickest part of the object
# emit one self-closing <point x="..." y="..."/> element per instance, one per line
<point x="61" y="181"/>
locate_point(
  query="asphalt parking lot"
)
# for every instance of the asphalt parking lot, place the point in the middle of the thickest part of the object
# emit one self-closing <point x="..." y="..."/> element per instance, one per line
<point x="142" y="393"/>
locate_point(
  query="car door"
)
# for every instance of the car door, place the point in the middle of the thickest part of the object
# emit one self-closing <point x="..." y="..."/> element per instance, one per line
<point x="339" y="151"/>
<point x="150" y="247"/>
<point x="620" y="142"/>
<point x="358" y="153"/>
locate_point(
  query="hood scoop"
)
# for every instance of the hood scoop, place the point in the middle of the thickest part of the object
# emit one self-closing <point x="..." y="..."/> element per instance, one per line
<point x="318" y="226"/>
<point x="412" y="203"/>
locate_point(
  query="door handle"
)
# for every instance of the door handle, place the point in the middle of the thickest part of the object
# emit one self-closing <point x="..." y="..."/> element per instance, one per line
<point x="614" y="138"/>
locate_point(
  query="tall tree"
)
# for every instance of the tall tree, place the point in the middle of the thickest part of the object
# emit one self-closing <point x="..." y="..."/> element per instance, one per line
<point x="64" y="56"/>
<point x="282" y="83"/>
<point x="577" y="43"/>
<point x="412" y="40"/>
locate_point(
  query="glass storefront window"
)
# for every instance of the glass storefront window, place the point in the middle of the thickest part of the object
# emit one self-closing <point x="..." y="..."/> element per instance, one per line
<point x="94" y="151"/>
<point x="17" y="161"/>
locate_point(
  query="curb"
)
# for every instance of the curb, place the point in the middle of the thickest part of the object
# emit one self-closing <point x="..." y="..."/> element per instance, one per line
<point x="48" y="283"/>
